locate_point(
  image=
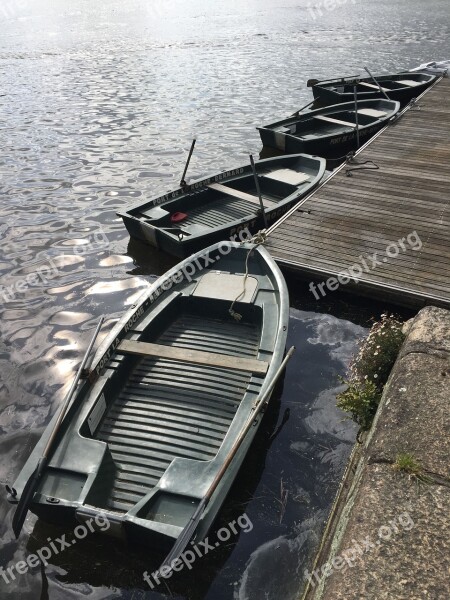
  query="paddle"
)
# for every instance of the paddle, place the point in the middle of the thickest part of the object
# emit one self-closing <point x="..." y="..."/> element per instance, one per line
<point x="376" y="82"/>
<point x="355" y="96"/>
<point x="190" y="528"/>
<point x="182" y="181"/>
<point x="297" y="112"/>
<point x="33" y="482"/>
<point x="255" y="175"/>
<point x="313" y="82"/>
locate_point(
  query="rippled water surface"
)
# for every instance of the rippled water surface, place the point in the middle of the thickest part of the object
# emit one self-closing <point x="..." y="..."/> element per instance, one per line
<point x="98" y="105"/>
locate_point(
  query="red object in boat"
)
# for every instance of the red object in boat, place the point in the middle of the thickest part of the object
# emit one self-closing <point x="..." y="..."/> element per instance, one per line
<point x="177" y="217"/>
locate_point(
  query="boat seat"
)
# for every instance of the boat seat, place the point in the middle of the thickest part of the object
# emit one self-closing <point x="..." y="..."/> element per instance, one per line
<point x="155" y="212"/>
<point x="371" y="112"/>
<point x="226" y="286"/>
<point x="337" y="121"/>
<point x="194" y="228"/>
<point x="237" y="363"/>
<point x="238" y="194"/>
<point x="309" y="136"/>
<point x="373" y="86"/>
<point x="290" y="176"/>
<point x="409" y="82"/>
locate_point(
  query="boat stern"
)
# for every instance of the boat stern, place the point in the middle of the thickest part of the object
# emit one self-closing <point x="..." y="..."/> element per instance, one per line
<point x="157" y="522"/>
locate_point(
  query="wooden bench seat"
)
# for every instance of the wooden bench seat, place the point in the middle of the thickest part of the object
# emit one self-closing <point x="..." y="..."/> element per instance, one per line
<point x="372" y="112"/>
<point x="219" y="187"/>
<point x="237" y="363"/>
<point x="408" y="82"/>
<point x="336" y="121"/>
<point x="289" y="176"/>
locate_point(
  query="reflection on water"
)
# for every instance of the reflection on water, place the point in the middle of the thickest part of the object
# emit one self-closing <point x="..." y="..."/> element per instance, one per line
<point x="99" y="103"/>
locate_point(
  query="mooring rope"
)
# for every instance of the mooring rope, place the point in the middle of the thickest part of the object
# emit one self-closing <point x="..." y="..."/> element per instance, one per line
<point x="258" y="239"/>
<point x="351" y="160"/>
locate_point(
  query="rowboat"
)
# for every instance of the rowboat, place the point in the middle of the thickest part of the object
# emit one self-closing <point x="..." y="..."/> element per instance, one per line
<point x="219" y="207"/>
<point x="329" y="131"/>
<point x="171" y="389"/>
<point x="402" y="87"/>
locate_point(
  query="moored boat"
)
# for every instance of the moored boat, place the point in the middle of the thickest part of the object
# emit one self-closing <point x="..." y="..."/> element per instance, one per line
<point x="219" y="207"/>
<point x="330" y="131"/>
<point x="402" y="87"/>
<point x="172" y="388"/>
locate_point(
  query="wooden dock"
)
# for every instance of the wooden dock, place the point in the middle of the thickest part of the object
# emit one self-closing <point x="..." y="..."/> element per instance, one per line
<point x="361" y="211"/>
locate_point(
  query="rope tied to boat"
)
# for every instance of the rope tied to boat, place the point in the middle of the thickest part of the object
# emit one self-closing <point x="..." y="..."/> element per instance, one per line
<point x="237" y="316"/>
<point x="351" y="160"/>
<point x="412" y="105"/>
<point x="257" y="240"/>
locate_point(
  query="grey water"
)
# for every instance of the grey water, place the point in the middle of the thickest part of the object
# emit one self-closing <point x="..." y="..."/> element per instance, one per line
<point x="98" y="106"/>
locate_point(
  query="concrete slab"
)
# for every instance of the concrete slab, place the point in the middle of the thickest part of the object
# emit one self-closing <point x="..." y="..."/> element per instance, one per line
<point x="397" y="538"/>
<point x="415" y="416"/>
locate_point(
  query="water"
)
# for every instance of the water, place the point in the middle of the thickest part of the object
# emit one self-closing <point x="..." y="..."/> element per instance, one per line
<point x="98" y="107"/>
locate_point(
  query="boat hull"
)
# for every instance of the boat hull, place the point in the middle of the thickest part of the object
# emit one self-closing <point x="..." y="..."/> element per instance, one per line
<point x="221" y="207"/>
<point x="331" y="146"/>
<point x="146" y="233"/>
<point x="329" y="93"/>
<point x="319" y="132"/>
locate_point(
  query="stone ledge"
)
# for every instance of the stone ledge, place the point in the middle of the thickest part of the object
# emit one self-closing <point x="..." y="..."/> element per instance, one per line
<point x="414" y="414"/>
<point x="414" y="562"/>
<point x="428" y="332"/>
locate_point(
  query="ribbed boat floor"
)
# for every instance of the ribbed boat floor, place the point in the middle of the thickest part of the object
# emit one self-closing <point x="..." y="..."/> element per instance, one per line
<point x="221" y="211"/>
<point x="170" y="409"/>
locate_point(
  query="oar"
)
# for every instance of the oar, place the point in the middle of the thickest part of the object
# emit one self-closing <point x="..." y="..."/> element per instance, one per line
<point x="190" y="528"/>
<point x="355" y="96"/>
<point x="183" y="182"/>
<point x="252" y="162"/>
<point x="33" y="482"/>
<point x="379" y="86"/>
<point x="297" y="112"/>
<point x="313" y="82"/>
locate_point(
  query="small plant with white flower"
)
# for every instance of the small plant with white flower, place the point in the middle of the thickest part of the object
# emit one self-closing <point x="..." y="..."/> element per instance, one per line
<point x="370" y="369"/>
